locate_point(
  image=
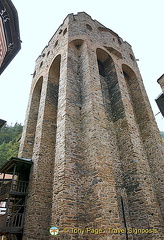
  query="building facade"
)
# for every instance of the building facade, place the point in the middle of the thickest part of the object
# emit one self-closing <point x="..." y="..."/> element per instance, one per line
<point x="160" y="99"/>
<point x="10" y="42"/>
<point x="90" y="131"/>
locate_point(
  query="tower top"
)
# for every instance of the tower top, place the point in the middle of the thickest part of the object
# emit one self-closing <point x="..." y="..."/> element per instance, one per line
<point x="81" y="26"/>
<point x="83" y="16"/>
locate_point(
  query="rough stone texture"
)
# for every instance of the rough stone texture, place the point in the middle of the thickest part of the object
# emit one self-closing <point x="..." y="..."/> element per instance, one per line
<point x="91" y="133"/>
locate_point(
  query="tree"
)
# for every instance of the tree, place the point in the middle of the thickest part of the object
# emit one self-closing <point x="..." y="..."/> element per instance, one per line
<point x="9" y="141"/>
<point x="162" y="134"/>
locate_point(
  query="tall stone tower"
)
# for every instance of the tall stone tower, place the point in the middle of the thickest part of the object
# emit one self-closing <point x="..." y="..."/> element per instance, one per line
<point x="90" y="131"/>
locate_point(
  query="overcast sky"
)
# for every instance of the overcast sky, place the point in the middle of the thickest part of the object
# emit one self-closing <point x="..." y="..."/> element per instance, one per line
<point x="140" y="23"/>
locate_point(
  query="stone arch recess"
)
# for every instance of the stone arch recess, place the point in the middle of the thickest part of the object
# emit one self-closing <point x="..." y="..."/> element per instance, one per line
<point x="52" y="92"/>
<point x="147" y="129"/>
<point x="114" y="111"/>
<point x="135" y="94"/>
<point x="28" y="136"/>
<point x="110" y="87"/>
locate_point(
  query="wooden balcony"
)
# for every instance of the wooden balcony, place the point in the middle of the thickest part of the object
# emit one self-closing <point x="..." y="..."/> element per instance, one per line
<point x="13" y="188"/>
<point x="13" y="223"/>
<point x="13" y="218"/>
<point x="13" y="192"/>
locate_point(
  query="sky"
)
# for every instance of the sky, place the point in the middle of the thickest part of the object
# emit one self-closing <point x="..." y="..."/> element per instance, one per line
<point x="140" y="23"/>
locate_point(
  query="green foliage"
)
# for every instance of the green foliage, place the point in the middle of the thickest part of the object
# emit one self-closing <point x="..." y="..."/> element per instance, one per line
<point x="9" y="145"/>
<point x="162" y="135"/>
<point x="10" y="133"/>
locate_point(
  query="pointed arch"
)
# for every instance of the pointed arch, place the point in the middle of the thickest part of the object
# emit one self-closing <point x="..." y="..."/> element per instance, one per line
<point x="29" y="131"/>
<point x="36" y="98"/>
<point x="53" y="90"/>
<point x="109" y="85"/>
<point x="54" y="70"/>
<point x="135" y="94"/>
<point x="34" y="110"/>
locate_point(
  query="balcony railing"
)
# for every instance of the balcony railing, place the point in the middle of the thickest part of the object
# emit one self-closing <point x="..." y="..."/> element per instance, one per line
<point x="16" y="186"/>
<point x="13" y="224"/>
<point x="19" y="186"/>
<point x="15" y="220"/>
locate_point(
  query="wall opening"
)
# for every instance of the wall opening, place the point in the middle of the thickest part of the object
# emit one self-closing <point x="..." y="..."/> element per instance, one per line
<point x="60" y="31"/>
<point x="65" y="31"/>
<point x="41" y="64"/>
<point x="88" y="27"/>
<point x="56" y="43"/>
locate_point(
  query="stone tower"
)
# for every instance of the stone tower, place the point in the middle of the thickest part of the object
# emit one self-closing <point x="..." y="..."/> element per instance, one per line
<point x="90" y="131"/>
